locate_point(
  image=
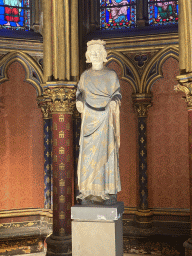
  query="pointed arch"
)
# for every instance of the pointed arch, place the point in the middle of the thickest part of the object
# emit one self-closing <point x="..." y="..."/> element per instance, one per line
<point x="130" y="73"/>
<point x="153" y="70"/>
<point x="33" y="74"/>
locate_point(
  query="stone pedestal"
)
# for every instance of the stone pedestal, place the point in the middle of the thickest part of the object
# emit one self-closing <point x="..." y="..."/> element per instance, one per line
<point x="188" y="247"/>
<point x="97" y="230"/>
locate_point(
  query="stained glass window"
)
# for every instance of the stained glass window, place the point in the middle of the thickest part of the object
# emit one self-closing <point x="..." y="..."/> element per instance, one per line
<point x="117" y="14"/>
<point x="15" y="14"/>
<point x="163" y="12"/>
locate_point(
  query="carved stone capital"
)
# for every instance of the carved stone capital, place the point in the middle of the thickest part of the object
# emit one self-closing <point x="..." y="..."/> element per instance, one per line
<point x="187" y="89"/>
<point x="44" y="105"/>
<point x="61" y="99"/>
<point x="185" y="85"/>
<point x="142" y="103"/>
<point x="142" y="108"/>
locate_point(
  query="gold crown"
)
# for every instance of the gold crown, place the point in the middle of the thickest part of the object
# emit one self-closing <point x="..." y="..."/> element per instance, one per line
<point x="92" y="42"/>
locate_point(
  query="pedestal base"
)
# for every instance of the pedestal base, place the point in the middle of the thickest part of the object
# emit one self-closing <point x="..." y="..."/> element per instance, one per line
<point x="97" y="230"/>
<point x="188" y="247"/>
<point x="58" y="246"/>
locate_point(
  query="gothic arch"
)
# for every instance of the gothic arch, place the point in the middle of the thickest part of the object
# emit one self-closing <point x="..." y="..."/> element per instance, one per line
<point x="130" y="73"/>
<point x="153" y="70"/>
<point x="34" y="73"/>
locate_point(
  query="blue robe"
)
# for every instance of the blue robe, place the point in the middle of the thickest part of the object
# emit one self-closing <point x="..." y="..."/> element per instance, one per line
<point x="98" y="165"/>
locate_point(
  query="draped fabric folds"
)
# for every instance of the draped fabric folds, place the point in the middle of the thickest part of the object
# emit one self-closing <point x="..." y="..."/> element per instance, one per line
<point x="98" y="165"/>
<point x="185" y="35"/>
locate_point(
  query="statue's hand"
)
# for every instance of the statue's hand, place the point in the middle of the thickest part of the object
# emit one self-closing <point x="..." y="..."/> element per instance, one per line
<point x="79" y="106"/>
<point x="113" y="105"/>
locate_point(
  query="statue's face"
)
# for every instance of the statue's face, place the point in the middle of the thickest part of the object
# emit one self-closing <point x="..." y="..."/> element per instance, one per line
<point x="95" y="54"/>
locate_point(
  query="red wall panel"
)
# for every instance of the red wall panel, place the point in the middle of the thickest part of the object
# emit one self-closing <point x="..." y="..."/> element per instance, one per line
<point x="21" y="144"/>
<point x="167" y="132"/>
<point x="127" y="153"/>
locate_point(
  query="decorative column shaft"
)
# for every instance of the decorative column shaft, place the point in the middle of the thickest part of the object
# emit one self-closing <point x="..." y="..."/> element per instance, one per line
<point x="61" y="103"/>
<point x="48" y="179"/>
<point x="143" y="185"/>
<point x="63" y="171"/>
<point x="142" y="102"/>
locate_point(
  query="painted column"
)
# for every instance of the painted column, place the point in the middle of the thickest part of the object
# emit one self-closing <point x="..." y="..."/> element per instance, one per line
<point x="63" y="171"/>
<point x="185" y="85"/>
<point x="48" y="182"/>
<point x="142" y="103"/>
<point x="62" y="102"/>
<point x="48" y="179"/>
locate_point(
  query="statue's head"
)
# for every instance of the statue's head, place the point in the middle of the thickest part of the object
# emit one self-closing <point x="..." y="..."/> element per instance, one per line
<point x="96" y="51"/>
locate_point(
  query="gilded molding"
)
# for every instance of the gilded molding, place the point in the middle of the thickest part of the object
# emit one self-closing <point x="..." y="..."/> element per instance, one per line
<point x="125" y="63"/>
<point x="157" y="211"/>
<point x="144" y="42"/>
<point x="26" y="212"/>
<point x="153" y="70"/>
<point x="61" y="100"/>
<point x="30" y="46"/>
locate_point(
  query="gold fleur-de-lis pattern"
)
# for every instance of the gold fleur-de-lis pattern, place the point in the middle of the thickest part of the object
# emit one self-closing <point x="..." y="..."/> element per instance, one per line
<point x="62" y="171"/>
<point x="47" y="164"/>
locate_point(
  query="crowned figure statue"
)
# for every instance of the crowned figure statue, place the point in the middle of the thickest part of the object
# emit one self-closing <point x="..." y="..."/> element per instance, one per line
<point x="98" y="100"/>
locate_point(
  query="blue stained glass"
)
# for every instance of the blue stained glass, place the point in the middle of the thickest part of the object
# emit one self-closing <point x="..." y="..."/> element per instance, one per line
<point x="15" y="14"/>
<point x="163" y="12"/>
<point x="117" y="14"/>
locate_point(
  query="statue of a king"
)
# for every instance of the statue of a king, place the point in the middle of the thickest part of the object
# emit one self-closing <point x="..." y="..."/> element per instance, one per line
<point x="98" y="100"/>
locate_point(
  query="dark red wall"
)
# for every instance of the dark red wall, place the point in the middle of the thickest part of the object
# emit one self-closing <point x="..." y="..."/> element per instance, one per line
<point x="128" y="123"/>
<point x="168" y="170"/>
<point x="167" y="133"/>
<point x="21" y="144"/>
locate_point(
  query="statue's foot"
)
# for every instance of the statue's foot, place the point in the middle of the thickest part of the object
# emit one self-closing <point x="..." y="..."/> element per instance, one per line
<point x="105" y="197"/>
<point x="81" y="196"/>
<point x="97" y="199"/>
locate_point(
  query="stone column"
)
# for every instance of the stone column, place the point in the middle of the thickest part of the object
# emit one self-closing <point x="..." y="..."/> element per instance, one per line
<point x="185" y="85"/>
<point x="94" y="17"/>
<point x="142" y="102"/>
<point x="37" y="16"/>
<point x="62" y="102"/>
<point x="142" y="13"/>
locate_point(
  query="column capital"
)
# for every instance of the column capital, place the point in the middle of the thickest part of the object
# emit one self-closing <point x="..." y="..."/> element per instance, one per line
<point x="142" y="103"/>
<point x="61" y="99"/>
<point x="185" y="85"/>
<point x="44" y="105"/>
